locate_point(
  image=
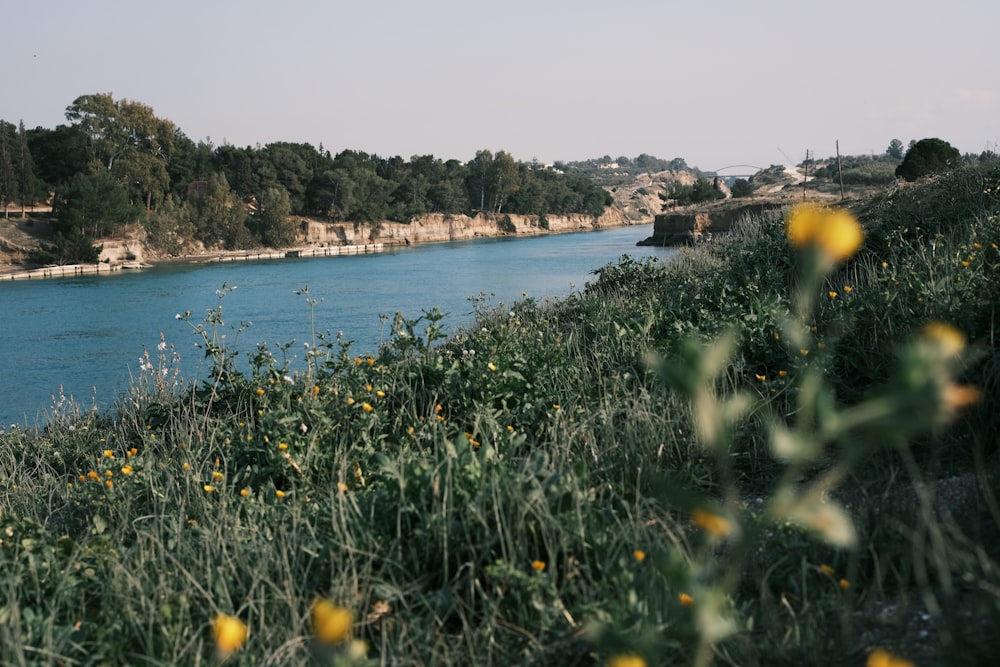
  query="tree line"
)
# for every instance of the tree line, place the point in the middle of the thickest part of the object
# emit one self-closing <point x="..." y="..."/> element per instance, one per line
<point x="115" y="162"/>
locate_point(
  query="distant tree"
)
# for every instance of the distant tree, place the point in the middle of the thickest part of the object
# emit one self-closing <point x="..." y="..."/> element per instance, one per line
<point x="7" y="179"/>
<point x="58" y="154"/>
<point x="895" y="149"/>
<point x="272" y="221"/>
<point x="71" y="247"/>
<point x="25" y="175"/>
<point x="94" y="204"/>
<point x="741" y="188"/>
<point x="928" y="156"/>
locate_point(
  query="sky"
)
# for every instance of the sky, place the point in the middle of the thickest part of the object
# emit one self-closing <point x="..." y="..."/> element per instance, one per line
<point x="715" y="83"/>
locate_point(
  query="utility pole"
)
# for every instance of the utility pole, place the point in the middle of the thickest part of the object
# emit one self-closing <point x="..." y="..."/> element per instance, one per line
<point x="840" y="172"/>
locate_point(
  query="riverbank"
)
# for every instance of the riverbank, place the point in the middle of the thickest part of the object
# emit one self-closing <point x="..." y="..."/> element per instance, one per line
<point x="329" y="239"/>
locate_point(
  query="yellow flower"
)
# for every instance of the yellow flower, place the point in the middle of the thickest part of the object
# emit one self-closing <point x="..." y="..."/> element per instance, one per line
<point x="957" y="397"/>
<point x="186" y="465"/>
<point x="315" y="391"/>
<point x="885" y="265"/>
<point x="229" y="632"/>
<point x="109" y="483"/>
<point x="685" y="600"/>
<point x="804" y="352"/>
<point x="367" y="407"/>
<point x="127" y="470"/>
<point x="108" y="454"/>
<point x="93" y="475"/>
<point x="835" y="232"/>
<point x="331" y="623"/>
<point x="760" y="377"/>
<point x="282" y="446"/>
<point x="260" y="392"/>
<point x="832" y="295"/>
<point x="712" y="523"/>
<point x="371" y="362"/>
<point x="848" y="289"/>
<point x="491" y="366"/>
<point x="132" y="452"/>
<point x="208" y="488"/>
<point x="950" y="339"/>
<point x="350" y="401"/>
<point x="783" y="374"/>
<point x="438" y="408"/>
<point x="882" y="658"/>
<point x="827" y="570"/>
<point x="216" y="475"/>
<point x="965" y="263"/>
<point x="538" y="565"/>
<point x="380" y="393"/>
<point x="245" y="493"/>
<point x="639" y="555"/>
<point x="556" y="406"/>
<point x="343" y="487"/>
<point x="280" y="493"/>
<point x="844" y="584"/>
<point x="626" y="660"/>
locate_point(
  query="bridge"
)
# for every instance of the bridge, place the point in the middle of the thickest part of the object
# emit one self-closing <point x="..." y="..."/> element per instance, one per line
<point x="729" y="178"/>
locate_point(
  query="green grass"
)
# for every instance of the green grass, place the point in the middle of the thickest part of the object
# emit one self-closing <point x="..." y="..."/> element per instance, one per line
<point x="523" y="492"/>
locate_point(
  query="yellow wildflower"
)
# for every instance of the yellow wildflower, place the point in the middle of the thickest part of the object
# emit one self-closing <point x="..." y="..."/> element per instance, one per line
<point x="538" y="565"/>
<point x="109" y="483"/>
<point x="835" y="232"/>
<point x="282" y="446"/>
<point x="844" y="584"/>
<point x="93" y="475"/>
<point x="127" y="470"/>
<point x="331" y="623"/>
<point x="245" y="493"/>
<point x="848" y="289"/>
<point x="343" y="487"/>
<point x="315" y="391"/>
<point x="380" y="393"/>
<point x="280" y="493"/>
<point x="712" y="523"/>
<point x="229" y="632"/>
<point x="367" y="407"/>
<point x="685" y="600"/>
<point x="950" y="339"/>
<point x="639" y="555"/>
<point x="827" y="570"/>
<point x="186" y="465"/>
<point x="108" y="454"/>
<point x="216" y="475"/>
<point x="782" y="373"/>
<point x="626" y="660"/>
<point x="350" y="401"/>
<point x="260" y="391"/>
<point x="882" y="658"/>
<point x="208" y="488"/>
<point x="491" y="366"/>
<point x="832" y="294"/>
<point x="760" y="377"/>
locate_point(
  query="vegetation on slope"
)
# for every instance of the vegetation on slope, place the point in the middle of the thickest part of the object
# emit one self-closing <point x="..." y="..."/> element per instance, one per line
<point x="739" y="457"/>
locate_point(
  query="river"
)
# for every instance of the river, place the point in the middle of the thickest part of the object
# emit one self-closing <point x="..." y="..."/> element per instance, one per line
<point x="84" y="336"/>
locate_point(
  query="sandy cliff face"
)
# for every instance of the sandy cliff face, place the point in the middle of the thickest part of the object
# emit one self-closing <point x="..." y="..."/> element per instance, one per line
<point x="438" y="227"/>
<point x="684" y="228"/>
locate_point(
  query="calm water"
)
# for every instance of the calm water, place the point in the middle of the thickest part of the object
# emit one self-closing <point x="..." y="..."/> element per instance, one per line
<point x="86" y="334"/>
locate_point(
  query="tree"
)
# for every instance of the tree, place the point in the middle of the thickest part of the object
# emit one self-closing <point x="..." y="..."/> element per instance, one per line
<point x="741" y="188"/>
<point x="92" y="204"/>
<point x="25" y="177"/>
<point x="6" y="168"/>
<point x="271" y="221"/>
<point x="895" y="149"/>
<point x="928" y="156"/>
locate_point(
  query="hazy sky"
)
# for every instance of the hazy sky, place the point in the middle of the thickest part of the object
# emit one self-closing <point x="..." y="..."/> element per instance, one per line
<point x="715" y="83"/>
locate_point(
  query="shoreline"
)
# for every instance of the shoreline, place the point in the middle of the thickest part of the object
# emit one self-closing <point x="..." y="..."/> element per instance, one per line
<point x="324" y="244"/>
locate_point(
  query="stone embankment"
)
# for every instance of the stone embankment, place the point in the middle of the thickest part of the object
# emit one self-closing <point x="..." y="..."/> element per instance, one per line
<point x="685" y="228"/>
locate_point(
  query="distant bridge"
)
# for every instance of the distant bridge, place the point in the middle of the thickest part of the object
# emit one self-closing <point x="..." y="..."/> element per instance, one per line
<point x="733" y="177"/>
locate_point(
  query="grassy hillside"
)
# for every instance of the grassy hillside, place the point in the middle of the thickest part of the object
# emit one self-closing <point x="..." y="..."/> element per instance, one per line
<point x="758" y="454"/>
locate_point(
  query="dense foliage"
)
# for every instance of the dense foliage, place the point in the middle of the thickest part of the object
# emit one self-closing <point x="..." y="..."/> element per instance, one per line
<point x="114" y="148"/>
<point x="634" y="475"/>
<point x="928" y="156"/>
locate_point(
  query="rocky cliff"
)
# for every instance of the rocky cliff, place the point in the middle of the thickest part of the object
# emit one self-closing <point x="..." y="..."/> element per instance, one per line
<point x="437" y="227"/>
<point x="690" y="226"/>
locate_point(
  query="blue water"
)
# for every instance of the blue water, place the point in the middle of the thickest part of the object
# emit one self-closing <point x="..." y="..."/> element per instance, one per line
<point x="84" y="336"/>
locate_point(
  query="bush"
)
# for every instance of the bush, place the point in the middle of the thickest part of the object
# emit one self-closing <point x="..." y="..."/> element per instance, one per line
<point x="928" y="156"/>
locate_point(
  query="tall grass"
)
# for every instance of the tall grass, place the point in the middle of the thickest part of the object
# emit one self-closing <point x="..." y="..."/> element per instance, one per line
<point x="646" y="470"/>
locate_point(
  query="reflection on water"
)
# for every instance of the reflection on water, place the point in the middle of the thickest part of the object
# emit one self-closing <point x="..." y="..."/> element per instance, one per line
<point x="86" y="333"/>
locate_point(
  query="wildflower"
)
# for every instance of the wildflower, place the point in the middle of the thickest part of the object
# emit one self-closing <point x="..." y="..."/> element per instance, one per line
<point x="834" y="231"/>
<point x="343" y="487"/>
<point x="331" y="623"/>
<point x="315" y="391"/>
<point x="510" y="428"/>
<point x="229" y="632"/>
<point x="108" y="473"/>
<point x="108" y="454"/>
<point x="245" y="493"/>
<point x="827" y="570"/>
<point x="885" y="265"/>
<point x="882" y="658"/>
<point x="260" y="391"/>
<point x="639" y="555"/>
<point x="821" y="345"/>
<point x="350" y="401"/>
<point x="280" y="493"/>
<point x="380" y="393"/>
<point x="832" y="294"/>
<point x="950" y="340"/>
<point x="216" y="475"/>
<point x="438" y="408"/>
<point x="282" y="446"/>
<point x="760" y="377"/>
<point x="109" y="483"/>
<point x="804" y="352"/>
<point x="783" y="373"/>
<point x="357" y="360"/>
<point x="556" y="406"/>
<point x="186" y="465"/>
<point x="538" y="565"/>
<point x="491" y="366"/>
<point x="777" y="336"/>
<point x="714" y="524"/>
<point x="976" y="246"/>
<point x="626" y="660"/>
<point x="957" y="397"/>
<point x="208" y="488"/>
<point x="132" y="452"/>
<point x="127" y="470"/>
<point x="848" y="289"/>
<point x="844" y="584"/>
<point x="367" y="407"/>
<point x="965" y="263"/>
<point x="685" y="600"/>
<point x="93" y="475"/>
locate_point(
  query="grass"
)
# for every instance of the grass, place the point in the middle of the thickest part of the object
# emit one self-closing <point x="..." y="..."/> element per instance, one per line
<point x="747" y="456"/>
